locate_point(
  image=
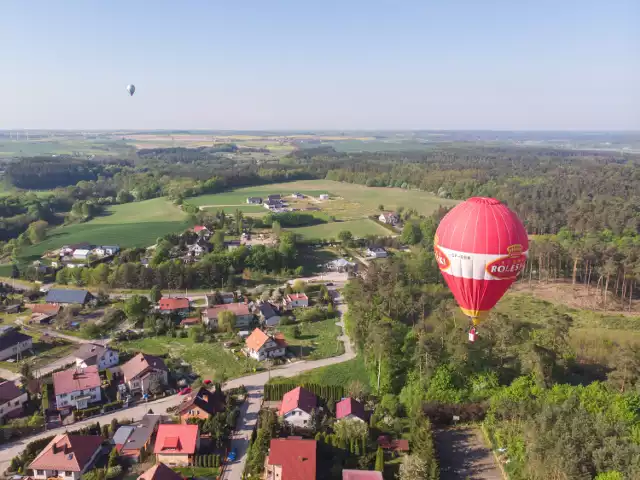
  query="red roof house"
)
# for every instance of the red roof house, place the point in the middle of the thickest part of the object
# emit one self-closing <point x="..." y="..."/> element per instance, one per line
<point x="291" y="459"/>
<point x="171" y="305"/>
<point x="160" y="472"/>
<point x="296" y="300"/>
<point x="361" y="475"/>
<point x="298" y="398"/>
<point x="84" y="382"/>
<point x="350" y="409"/>
<point x="200" y="228"/>
<point x="187" y="322"/>
<point x="67" y="453"/>
<point x="400" y="445"/>
<point x="176" y="444"/>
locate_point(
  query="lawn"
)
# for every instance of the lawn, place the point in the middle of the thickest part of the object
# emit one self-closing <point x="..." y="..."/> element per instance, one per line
<point x="136" y="224"/>
<point x="197" y="472"/>
<point x="246" y="209"/>
<point x="239" y="196"/>
<point x="318" y="339"/>
<point x="359" y="228"/>
<point x="338" y="374"/>
<point x="210" y="360"/>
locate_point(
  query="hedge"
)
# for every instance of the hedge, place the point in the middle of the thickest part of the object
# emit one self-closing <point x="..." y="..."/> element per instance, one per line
<point x="275" y="392"/>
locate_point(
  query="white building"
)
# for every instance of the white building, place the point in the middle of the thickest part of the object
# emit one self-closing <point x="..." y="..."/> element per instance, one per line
<point x="261" y="346"/>
<point x="296" y="407"/>
<point x="389" y="218"/>
<point x="377" y="252"/>
<point x="296" y="300"/>
<point x="324" y="196"/>
<point x="94" y="354"/>
<point x="13" y="343"/>
<point x="81" y="253"/>
<point x="11" y="399"/>
<point x="77" y="387"/>
<point x="67" y="457"/>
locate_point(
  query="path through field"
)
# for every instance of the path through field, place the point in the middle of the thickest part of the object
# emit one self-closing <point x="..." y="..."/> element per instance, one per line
<point x="464" y="455"/>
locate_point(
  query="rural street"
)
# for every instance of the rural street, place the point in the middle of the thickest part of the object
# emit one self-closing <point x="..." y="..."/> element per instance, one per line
<point x="246" y="422"/>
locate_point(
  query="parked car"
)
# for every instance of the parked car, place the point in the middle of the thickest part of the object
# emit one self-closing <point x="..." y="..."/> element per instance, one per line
<point x="232" y="455"/>
<point x="185" y="390"/>
<point x="329" y="284"/>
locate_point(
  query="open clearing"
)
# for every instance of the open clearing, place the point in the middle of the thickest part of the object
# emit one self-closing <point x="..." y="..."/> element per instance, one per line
<point x="359" y="228"/>
<point x="136" y="224"/>
<point x="338" y="374"/>
<point x="317" y="339"/>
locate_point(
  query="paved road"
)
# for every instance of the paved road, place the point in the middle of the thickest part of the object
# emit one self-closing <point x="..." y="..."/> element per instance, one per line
<point x="463" y="455"/>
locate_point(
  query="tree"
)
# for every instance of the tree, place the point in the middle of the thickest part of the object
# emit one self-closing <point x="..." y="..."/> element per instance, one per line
<point x="379" y="460"/>
<point x="381" y="207"/>
<point x="411" y="233"/>
<point x="345" y="236"/>
<point x="155" y="294"/>
<point x="297" y="332"/>
<point x="113" y="458"/>
<point x="413" y="468"/>
<point x="37" y="231"/>
<point x="136" y="307"/>
<point x="298" y="286"/>
<point x="226" y="321"/>
<point x="26" y="371"/>
<point x="155" y="386"/>
<point x="355" y="389"/>
<point x="217" y="240"/>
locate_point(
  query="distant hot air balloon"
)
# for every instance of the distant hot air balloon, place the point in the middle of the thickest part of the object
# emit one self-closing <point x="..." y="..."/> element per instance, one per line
<point x="481" y="246"/>
<point x="131" y="89"/>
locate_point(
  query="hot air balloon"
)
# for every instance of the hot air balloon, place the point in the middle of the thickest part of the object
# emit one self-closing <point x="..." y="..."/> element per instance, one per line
<point x="131" y="89"/>
<point x="481" y="246"/>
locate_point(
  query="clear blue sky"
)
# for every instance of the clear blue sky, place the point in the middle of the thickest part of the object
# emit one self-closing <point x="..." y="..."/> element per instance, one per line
<point x="304" y="64"/>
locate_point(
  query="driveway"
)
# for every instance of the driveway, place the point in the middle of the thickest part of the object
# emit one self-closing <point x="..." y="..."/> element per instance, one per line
<point x="463" y="455"/>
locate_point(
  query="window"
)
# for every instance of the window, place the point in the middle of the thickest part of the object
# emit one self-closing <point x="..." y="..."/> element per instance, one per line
<point x="68" y="474"/>
<point x="40" y="472"/>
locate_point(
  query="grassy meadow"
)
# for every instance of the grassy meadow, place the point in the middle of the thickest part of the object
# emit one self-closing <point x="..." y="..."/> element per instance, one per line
<point x="359" y="228"/>
<point x="338" y="374"/>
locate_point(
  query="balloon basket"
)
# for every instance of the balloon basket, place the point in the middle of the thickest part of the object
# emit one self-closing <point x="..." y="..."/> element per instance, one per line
<point x="473" y="335"/>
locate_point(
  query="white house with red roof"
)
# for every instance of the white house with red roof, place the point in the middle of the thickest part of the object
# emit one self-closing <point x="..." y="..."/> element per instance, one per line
<point x="296" y="300"/>
<point x="11" y="399"/>
<point x="141" y="369"/>
<point x="77" y="387"/>
<point x="261" y="346"/>
<point x="176" y="444"/>
<point x="350" y="409"/>
<point x="291" y="459"/>
<point x="66" y="457"/>
<point x="178" y="306"/>
<point x="296" y="407"/>
<point x="244" y="317"/>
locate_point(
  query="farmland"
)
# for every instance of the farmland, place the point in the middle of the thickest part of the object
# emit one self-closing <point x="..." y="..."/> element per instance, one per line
<point x="136" y="224"/>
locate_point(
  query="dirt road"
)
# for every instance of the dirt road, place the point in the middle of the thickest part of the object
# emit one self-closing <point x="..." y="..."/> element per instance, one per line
<point x="464" y="455"/>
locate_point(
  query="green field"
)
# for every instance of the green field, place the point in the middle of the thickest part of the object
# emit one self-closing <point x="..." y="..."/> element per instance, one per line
<point x="359" y="228"/>
<point x="239" y="196"/>
<point x="317" y="339"/>
<point x="136" y="224"/>
<point x="60" y="145"/>
<point x="210" y="360"/>
<point x="338" y="374"/>
<point x="246" y="209"/>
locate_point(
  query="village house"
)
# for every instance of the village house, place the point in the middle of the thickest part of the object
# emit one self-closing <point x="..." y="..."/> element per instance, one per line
<point x="268" y="315"/>
<point x="350" y="409"/>
<point x="376" y="252"/>
<point x="12" y="399"/>
<point x="66" y="457"/>
<point x="219" y="298"/>
<point x="132" y="440"/>
<point x="274" y="197"/>
<point x="296" y="300"/>
<point x="324" y="196"/>
<point x="291" y="458"/>
<point x="106" y="250"/>
<point x="199" y="248"/>
<point x="254" y="200"/>
<point x="160" y="472"/>
<point x="201" y="230"/>
<point x="61" y="296"/>
<point x="201" y="404"/>
<point x="400" y="445"/>
<point x="42" y="313"/>
<point x="340" y="265"/>
<point x="90" y="354"/>
<point x="178" y="306"/>
<point x="77" y="387"/>
<point x="141" y="369"/>
<point x="81" y="254"/>
<point x="390" y="218"/>
<point x="261" y="346"/>
<point x="361" y="475"/>
<point x="296" y="407"/>
<point x="176" y="445"/>
<point x="69" y="249"/>
<point x="244" y="317"/>
<point x="13" y="342"/>
<point x="189" y="322"/>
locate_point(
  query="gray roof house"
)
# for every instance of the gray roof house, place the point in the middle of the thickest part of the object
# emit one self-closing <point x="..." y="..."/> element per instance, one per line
<point x="60" y="295"/>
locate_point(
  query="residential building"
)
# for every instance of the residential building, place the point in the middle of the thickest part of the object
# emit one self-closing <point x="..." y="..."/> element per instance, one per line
<point x="324" y="196"/>
<point x="291" y="459"/>
<point x="61" y="296"/>
<point x="341" y="265"/>
<point x="201" y="229"/>
<point x="201" y="404"/>
<point x="261" y="346"/>
<point x="199" y="248"/>
<point x="377" y="252"/>
<point x="69" y="249"/>
<point x="176" y="445"/>
<point x="268" y="315"/>
<point x="77" y="387"/>
<point x="296" y="407"/>
<point x="42" y="313"/>
<point x="132" y="440"/>
<point x="81" y="254"/>
<point x="12" y="400"/>
<point x="350" y="409"/>
<point x="254" y="200"/>
<point x="390" y="218"/>
<point x="66" y="457"/>
<point x="399" y="445"/>
<point x="274" y="197"/>
<point x="190" y="322"/>
<point x="220" y="298"/>
<point x="244" y="317"/>
<point x="95" y="354"/>
<point x="106" y="250"/>
<point x="296" y="300"/>
<point x="361" y="475"/>
<point x="179" y="306"/>
<point x="160" y="472"/>
<point x="141" y="370"/>
<point x="13" y="342"/>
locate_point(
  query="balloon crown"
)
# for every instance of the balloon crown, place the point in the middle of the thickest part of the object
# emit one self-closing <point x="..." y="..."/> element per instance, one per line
<point x="514" y="250"/>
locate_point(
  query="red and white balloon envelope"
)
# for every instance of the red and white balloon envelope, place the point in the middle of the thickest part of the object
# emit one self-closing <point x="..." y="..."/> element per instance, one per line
<point x="481" y="246"/>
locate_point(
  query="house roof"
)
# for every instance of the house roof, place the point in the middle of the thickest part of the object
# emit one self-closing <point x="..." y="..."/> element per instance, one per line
<point x="176" y="439"/>
<point x="140" y="363"/>
<point x="267" y="310"/>
<point x="174" y="303"/>
<point x="297" y="296"/>
<point x="297" y="458"/>
<point x="43" y="308"/>
<point x="257" y="339"/>
<point x="190" y="321"/>
<point x="361" y="475"/>
<point x="75" y="379"/>
<point x="298" y="398"/>
<point x="206" y="400"/>
<point x="122" y="434"/>
<point x="160" y="472"/>
<point x="81" y="251"/>
<point x="67" y="452"/>
<point x="237" y="308"/>
<point x="349" y="406"/>
<point x="142" y="432"/>
<point x="12" y="337"/>
<point x="199" y="228"/>
<point x="9" y="391"/>
<point x="400" y="445"/>
<point x="61" y="295"/>
<point x="89" y="350"/>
